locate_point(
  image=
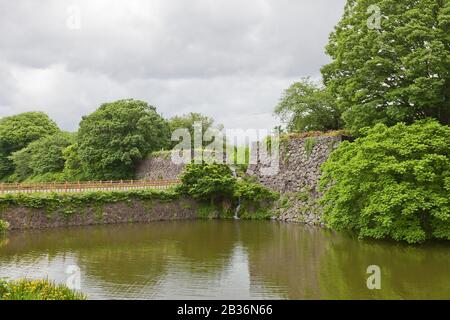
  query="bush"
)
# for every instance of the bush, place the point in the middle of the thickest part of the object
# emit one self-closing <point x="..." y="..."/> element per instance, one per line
<point x="394" y="182"/>
<point x="256" y="200"/>
<point x="24" y="289"/>
<point x="208" y="181"/>
<point x="251" y="192"/>
<point x="216" y="183"/>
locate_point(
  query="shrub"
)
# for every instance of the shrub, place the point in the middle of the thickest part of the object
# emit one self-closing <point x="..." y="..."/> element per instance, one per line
<point x="24" y="289"/>
<point x="251" y="192"/>
<point x="256" y="200"/>
<point x="208" y="181"/>
<point x="215" y="182"/>
<point x="393" y="182"/>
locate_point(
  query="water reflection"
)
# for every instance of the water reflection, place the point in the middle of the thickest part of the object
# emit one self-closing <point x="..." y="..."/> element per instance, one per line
<point x="225" y="259"/>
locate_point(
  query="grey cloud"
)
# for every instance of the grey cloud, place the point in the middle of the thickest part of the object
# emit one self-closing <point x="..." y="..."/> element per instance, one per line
<point x="228" y="58"/>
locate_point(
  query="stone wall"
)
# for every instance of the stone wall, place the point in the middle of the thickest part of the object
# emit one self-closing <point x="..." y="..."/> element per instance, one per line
<point x="297" y="177"/>
<point x="159" y="166"/>
<point x="20" y="218"/>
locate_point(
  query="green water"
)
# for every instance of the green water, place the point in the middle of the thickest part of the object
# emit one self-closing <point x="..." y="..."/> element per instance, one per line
<point x="226" y="260"/>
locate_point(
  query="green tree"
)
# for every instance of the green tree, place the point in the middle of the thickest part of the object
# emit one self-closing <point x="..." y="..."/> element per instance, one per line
<point x="187" y="121"/>
<point x="17" y="131"/>
<point x="42" y="156"/>
<point x="399" y="72"/>
<point x="113" y="138"/>
<point x="306" y="106"/>
<point x="73" y="167"/>
<point x="392" y="182"/>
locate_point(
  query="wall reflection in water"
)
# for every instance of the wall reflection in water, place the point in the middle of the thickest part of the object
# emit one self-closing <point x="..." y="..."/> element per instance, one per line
<point x="226" y="260"/>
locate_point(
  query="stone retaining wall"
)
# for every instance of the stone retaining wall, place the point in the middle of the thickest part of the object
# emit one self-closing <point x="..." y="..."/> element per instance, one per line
<point x="159" y="167"/>
<point x="298" y="176"/>
<point x="20" y="218"/>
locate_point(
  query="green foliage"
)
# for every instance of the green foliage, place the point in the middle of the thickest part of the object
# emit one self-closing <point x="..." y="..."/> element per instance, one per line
<point x="306" y="106"/>
<point x="187" y="121"/>
<point x="208" y="181"/>
<point x="397" y="73"/>
<point x="52" y="201"/>
<point x="215" y="183"/>
<point x="253" y="193"/>
<point x="310" y="142"/>
<point x="256" y="214"/>
<point x="42" y="157"/>
<point x="256" y="200"/>
<point x="394" y="182"/>
<point x="17" y="131"/>
<point x="3" y="226"/>
<point x="6" y="165"/>
<point x="165" y="154"/>
<point x="73" y="168"/>
<point x="24" y="289"/>
<point x="206" y="211"/>
<point x="112" y="139"/>
<point x="241" y="158"/>
<point x="303" y="196"/>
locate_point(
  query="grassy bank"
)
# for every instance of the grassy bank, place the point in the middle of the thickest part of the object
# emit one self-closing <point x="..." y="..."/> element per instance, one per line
<point x="24" y="289"/>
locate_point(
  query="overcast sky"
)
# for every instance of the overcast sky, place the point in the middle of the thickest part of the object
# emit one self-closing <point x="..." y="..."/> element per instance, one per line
<point x="229" y="59"/>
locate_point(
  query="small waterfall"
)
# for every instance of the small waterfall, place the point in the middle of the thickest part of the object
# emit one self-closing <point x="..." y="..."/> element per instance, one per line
<point x="236" y="211"/>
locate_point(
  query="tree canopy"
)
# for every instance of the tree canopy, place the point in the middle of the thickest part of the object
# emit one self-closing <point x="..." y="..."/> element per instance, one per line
<point x="17" y="131"/>
<point x="42" y="156"/>
<point x="113" y="138"/>
<point x="399" y="72"/>
<point x="306" y="106"/>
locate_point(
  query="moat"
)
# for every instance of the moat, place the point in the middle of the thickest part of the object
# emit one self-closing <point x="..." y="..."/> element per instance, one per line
<point x="225" y="260"/>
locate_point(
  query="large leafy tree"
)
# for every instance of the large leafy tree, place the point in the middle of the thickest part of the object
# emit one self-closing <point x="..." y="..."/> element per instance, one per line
<point x="392" y="182"/>
<point x="306" y="106"/>
<point x="113" y="138"/>
<point x="17" y="131"/>
<point x="397" y="71"/>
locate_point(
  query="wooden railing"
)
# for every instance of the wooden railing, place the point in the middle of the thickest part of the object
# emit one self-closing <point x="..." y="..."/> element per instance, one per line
<point x="86" y="186"/>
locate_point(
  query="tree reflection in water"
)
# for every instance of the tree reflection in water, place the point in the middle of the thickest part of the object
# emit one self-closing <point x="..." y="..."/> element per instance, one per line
<point x="226" y="259"/>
